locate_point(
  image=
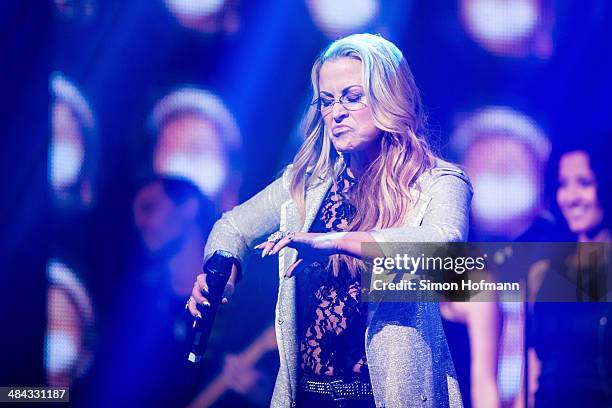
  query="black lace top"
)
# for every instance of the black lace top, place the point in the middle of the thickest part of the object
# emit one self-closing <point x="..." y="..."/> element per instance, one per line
<point x="332" y="318"/>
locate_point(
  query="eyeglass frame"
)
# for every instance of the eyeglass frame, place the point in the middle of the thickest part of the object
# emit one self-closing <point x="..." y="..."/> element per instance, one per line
<point x="333" y="101"/>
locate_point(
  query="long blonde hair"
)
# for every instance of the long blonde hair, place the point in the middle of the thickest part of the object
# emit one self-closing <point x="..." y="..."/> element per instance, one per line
<point x="382" y="196"/>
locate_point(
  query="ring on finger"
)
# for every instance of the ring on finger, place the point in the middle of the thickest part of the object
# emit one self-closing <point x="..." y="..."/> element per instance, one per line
<point x="277" y="236"/>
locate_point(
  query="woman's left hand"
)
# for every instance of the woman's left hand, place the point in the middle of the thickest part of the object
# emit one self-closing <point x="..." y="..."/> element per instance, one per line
<point x="310" y="245"/>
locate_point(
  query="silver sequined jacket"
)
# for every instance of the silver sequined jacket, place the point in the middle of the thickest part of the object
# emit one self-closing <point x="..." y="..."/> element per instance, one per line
<point x="407" y="353"/>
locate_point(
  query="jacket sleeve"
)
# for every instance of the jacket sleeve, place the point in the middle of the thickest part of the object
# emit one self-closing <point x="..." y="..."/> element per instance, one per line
<point x="238" y="229"/>
<point x="446" y="215"/>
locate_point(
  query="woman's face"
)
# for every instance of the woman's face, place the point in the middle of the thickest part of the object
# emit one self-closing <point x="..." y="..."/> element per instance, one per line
<point x="577" y="193"/>
<point x="351" y="131"/>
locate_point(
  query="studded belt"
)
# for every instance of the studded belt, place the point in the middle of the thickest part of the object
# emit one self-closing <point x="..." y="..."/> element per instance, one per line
<point x="337" y="390"/>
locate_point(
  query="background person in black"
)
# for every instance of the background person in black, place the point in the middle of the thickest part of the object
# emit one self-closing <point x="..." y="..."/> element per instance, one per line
<point x="150" y="338"/>
<point x="147" y="362"/>
<point x="570" y="363"/>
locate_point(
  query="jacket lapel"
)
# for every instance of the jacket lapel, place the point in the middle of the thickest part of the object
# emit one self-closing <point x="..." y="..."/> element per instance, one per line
<point x="290" y="221"/>
<point x="314" y="198"/>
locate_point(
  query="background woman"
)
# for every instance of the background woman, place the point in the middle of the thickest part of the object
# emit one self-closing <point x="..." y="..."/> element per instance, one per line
<point x="570" y="363"/>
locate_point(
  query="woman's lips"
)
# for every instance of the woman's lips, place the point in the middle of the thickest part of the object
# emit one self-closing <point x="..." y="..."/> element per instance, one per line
<point x="575" y="211"/>
<point x="338" y="130"/>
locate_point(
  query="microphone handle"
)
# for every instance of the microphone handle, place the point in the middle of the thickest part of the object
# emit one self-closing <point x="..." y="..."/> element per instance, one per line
<point x="218" y="270"/>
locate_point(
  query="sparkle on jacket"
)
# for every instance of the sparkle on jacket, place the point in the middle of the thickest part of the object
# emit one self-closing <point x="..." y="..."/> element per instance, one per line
<point x="408" y="357"/>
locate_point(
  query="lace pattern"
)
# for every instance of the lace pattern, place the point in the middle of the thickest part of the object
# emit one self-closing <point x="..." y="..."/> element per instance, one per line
<point x="333" y="342"/>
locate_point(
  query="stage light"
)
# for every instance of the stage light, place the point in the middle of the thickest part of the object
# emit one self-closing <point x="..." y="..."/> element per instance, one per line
<point x="72" y="150"/>
<point x="70" y="326"/>
<point x="504" y="152"/>
<point x="342" y="17"/>
<point x="514" y="28"/>
<point x="194" y="7"/>
<point x="195" y="134"/>
<point x="67" y="151"/>
<point x="206" y="16"/>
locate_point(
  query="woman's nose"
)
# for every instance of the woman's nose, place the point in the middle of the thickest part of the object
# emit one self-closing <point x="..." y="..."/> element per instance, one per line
<point x="339" y="112"/>
<point x="572" y="195"/>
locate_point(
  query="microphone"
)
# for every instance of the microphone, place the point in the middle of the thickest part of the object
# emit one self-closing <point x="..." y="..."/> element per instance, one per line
<point x="218" y="270"/>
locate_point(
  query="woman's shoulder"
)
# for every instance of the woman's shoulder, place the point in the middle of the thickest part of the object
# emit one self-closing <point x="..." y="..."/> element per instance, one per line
<point x="443" y="167"/>
<point x="287" y="171"/>
<point x="442" y="170"/>
<point x="287" y="175"/>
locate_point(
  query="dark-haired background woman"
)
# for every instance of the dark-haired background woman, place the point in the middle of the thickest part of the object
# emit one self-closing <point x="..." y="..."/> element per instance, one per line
<point x="570" y="354"/>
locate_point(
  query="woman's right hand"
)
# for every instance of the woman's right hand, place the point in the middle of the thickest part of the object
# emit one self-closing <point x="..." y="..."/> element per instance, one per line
<point x="199" y="293"/>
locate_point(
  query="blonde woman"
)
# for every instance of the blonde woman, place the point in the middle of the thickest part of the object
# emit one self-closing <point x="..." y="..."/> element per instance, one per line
<point x="365" y="173"/>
